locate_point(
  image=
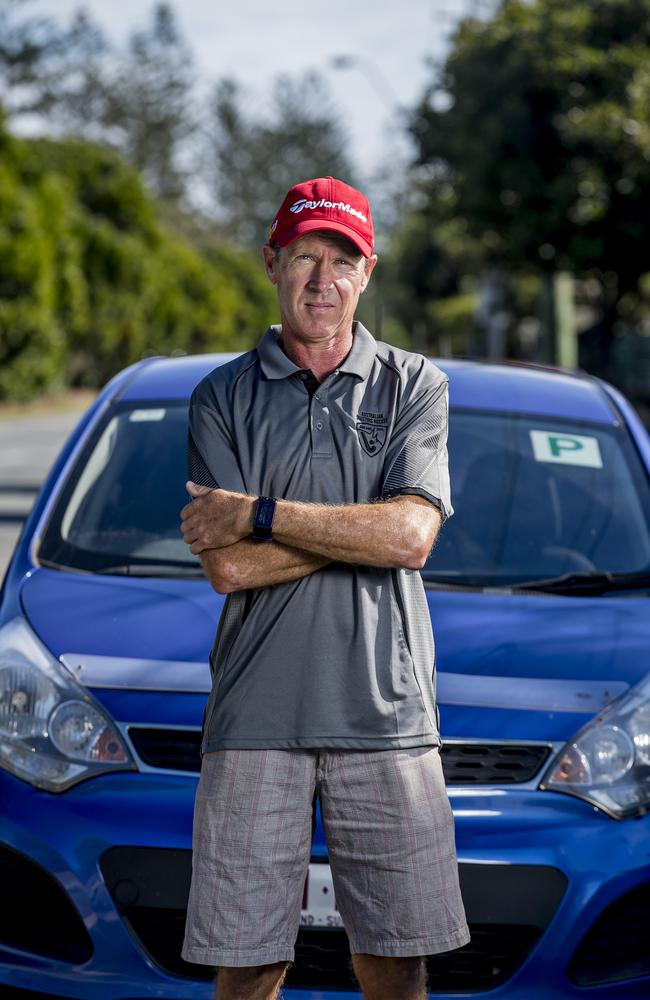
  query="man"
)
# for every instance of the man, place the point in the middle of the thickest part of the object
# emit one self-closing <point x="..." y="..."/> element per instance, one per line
<point x="319" y="475"/>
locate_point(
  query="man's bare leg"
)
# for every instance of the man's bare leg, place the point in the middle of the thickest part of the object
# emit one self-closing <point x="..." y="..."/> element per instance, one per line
<point x="391" y="978"/>
<point x="256" y="982"/>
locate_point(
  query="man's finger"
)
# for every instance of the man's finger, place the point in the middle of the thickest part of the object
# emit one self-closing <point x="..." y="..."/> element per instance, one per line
<point x="195" y="490"/>
<point x="187" y="511"/>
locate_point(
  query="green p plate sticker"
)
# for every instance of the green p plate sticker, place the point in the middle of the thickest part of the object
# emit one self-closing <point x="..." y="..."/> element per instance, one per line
<point x="566" y="449"/>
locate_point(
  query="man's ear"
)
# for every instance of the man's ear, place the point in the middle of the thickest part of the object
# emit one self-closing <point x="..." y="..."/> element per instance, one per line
<point x="270" y="263"/>
<point x="369" y="268"/>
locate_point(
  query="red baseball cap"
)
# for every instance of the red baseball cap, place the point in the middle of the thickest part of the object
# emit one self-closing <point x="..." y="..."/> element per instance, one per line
<point x="324" y="203"/>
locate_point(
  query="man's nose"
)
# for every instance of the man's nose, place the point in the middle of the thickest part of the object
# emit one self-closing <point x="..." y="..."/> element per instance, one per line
<point x="322" y="276"/>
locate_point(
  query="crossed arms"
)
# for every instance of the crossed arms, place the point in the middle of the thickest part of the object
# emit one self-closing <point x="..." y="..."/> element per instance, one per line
<point x="398" y="532"/>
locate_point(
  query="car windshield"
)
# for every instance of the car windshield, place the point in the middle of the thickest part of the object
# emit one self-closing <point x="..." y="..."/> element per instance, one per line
<point x="120" y="510"/>
<point x="534" y="498"/>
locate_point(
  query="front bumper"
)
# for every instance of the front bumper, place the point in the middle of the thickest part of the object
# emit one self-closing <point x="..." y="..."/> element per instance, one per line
<point x="112" y="858"/>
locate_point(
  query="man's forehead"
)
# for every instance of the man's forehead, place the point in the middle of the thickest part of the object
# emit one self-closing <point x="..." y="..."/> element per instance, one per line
<point x="324" y="237"/>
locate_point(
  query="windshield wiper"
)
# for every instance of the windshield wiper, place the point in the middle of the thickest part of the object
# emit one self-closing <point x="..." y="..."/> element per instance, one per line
<point x="434" y="582"/>
<point x="151" y="569"/>
<point x="596" y="582"/>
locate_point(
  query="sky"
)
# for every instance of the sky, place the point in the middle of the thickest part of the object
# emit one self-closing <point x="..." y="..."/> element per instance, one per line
<point x="256" y="40"/>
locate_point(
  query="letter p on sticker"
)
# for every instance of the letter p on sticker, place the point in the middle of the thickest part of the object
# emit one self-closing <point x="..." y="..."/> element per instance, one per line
<point x="560" y="444"/>
<point x="566" y="449"/>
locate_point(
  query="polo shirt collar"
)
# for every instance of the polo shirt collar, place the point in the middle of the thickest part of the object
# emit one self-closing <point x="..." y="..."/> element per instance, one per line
<point x="273" y="361"/>
<point x="362" y="353"/>
<point x="276" y="365"/>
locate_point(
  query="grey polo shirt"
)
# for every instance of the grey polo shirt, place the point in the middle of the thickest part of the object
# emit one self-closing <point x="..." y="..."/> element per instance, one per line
<point x="343" y="658"/>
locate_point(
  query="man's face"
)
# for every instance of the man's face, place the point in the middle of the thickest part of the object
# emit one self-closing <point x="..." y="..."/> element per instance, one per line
<point x="319" y="278"/>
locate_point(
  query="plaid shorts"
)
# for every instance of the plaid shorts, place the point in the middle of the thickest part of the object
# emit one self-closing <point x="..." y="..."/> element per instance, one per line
<point x="390" y="838"/>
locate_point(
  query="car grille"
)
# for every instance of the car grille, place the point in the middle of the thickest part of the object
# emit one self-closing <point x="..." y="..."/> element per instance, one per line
<point x="508" y="907"/>
<point x="463" y="763"/>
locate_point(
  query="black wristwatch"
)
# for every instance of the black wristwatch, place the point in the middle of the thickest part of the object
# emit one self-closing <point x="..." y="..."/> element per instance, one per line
<point x="263" y="519"/>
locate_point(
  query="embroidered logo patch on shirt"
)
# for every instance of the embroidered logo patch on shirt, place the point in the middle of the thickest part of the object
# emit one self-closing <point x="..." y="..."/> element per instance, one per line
<point x="372" y="429"/>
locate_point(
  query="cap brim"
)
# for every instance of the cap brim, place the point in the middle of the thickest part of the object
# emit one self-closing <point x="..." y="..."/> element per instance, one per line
<point x="313" y="225"/>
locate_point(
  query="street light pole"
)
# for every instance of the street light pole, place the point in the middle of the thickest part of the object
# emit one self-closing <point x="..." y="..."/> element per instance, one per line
<point x="377" y="80"/>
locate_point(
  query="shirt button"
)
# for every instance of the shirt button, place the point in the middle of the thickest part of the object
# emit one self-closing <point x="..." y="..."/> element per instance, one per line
<point x="319" y="425"/>
<point x="317" y="396"/>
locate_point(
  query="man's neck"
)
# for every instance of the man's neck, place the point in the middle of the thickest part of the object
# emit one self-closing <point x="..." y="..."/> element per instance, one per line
<point x="321" y="359"/>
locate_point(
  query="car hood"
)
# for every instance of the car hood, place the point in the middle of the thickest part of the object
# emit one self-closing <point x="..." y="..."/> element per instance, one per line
<point x="125" y="619"/>
<point x="510" y="666"/>
<point x="535" y="666"/>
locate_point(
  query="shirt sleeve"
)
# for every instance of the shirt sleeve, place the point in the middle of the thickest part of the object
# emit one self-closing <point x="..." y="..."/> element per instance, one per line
<point x="416" y="461"/>
<point x="211" y="455"/>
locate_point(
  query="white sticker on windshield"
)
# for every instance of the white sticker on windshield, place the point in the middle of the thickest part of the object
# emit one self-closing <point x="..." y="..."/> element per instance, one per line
<point x="139" y="415"/>
<point x="567" y="449"/>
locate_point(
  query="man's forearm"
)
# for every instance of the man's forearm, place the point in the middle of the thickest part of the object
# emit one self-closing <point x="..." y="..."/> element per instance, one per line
<point x="247" y="565"/>
<point x="398" y="533"/>
<point x="393" y="533"/>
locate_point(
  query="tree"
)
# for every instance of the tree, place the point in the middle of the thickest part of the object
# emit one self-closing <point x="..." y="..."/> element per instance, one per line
<point x="540" y="124"/>
<point x="27" y="45"/>
<point x="90" y="281"/>
<point x="74" y="84"/>
<point x="149" y="114"/>
<point x="257" y="159"/>
<point x="139" y="102"/>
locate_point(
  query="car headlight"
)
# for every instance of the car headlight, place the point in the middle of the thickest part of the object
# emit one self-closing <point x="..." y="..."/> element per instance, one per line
<point x="608" y="762"/>
<point x="52" y="731"/>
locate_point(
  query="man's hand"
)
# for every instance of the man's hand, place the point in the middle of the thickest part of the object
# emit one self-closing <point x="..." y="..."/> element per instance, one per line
<point x="215" y="518"/>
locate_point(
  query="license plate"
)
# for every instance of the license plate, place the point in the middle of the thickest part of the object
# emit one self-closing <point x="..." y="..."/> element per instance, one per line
<point x="318" y="902"/>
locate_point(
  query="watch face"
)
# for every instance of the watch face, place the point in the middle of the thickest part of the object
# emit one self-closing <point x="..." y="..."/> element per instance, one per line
<point x="264" y="519"/>
<point x="265" y="512"/>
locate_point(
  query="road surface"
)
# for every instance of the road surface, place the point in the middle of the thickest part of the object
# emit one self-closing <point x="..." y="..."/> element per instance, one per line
<point x="28" y="446"/>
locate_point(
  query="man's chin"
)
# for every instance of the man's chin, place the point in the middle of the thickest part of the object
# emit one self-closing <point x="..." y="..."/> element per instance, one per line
<point x="324" y="323"/>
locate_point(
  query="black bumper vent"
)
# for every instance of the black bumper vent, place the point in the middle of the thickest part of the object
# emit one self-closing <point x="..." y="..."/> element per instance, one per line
<point x="617" y="946"/>
<point x="492" y="763"/>
<point x="463" y="763"/>
<point x="508" y="908"/>
<point x="174" y="749"/>
<point x="37" y="915"/>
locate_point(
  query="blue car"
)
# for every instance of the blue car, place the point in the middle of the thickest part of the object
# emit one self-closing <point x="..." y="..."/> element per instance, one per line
<point x="539" y="594"/>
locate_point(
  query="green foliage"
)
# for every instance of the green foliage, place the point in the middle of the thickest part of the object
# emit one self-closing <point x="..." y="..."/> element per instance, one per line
<point x="31" y="338"/>
<point x="142" y="100"/>
<point x="546" y="136"/>
<point x="424" y="277"/>
<point x="137" y="101"/>
<point x="532" y="157"/>
<point x="90" y="281"/>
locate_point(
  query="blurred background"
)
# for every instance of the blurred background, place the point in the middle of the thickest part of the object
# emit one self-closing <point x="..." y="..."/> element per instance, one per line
<point x="144" y="148"/>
